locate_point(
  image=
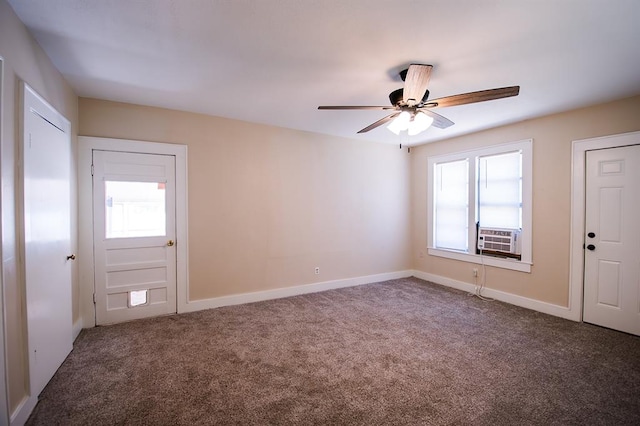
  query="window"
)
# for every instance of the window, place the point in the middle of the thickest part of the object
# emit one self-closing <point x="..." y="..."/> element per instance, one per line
<point x="500" y="190"/>
<point x="134" y="209"/>
<point x="452" y="205"/>
<point x="490" y="187"/>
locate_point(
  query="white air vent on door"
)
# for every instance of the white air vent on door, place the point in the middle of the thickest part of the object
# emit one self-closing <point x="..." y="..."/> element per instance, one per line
<point x="499" y="240"/>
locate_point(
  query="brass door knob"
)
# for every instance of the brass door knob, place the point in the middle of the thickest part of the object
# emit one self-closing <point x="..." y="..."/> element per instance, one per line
<point x="71" y="257"/>
<point x="170" y="243"/>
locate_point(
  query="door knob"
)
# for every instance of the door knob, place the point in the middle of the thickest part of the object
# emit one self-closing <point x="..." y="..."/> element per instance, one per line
<point x="591" y="235"/>
<point x="71" y="257"/>
<point x="170" y="243"/>
<point x="591" y="247"/>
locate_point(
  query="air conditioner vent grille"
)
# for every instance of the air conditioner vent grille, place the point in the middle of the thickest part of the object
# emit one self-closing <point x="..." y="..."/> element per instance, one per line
<point x="499" y="240"/>
<point x="496" y="246"/>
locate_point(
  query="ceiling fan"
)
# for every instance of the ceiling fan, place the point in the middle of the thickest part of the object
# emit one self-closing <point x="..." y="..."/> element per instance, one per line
<point x="411" y="105"/>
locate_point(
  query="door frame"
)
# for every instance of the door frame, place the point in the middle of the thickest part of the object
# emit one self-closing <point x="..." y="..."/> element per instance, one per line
<point x="4" y="403"/>
<point x="578" y="189"/>
<point x="86" y="146"/>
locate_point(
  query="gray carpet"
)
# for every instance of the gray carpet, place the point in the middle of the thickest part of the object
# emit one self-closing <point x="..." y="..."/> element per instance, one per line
<point x="399" y="352"/>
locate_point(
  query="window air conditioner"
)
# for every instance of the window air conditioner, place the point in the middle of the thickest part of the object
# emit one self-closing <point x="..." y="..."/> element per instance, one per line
<point x="499" y="240"/>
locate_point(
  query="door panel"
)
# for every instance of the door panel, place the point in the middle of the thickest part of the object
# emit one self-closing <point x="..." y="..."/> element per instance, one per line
<point x="134" y="234"/>
<point x="47" y="239"/>
<point x="612" y="239"/>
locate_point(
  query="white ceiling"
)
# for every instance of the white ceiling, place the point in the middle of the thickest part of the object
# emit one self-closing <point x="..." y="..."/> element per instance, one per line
<point x="275" y="61"/>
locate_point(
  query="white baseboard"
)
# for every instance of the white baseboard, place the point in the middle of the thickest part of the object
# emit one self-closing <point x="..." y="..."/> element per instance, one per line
<point x="76" y="328"/>
<point x="524" y="302"/>
<point x="258" y="296"/>
<point x="21" y="414"/>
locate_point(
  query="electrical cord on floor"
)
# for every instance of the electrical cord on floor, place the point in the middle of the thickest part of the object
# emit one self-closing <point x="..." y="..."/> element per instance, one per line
<point x="478" y="289"/>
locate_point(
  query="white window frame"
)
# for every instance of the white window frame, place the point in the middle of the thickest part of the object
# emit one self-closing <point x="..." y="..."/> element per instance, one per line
<point x="523" y="265"/>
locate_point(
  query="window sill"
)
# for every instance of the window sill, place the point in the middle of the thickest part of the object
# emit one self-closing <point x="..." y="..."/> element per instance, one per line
<point x="515" y="265"/>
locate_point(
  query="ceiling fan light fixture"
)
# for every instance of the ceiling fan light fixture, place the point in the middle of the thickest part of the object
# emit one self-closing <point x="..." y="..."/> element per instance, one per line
<point x="420" y="123"/>
<point x="411" y="105"/>
<point x="400" y="123"/>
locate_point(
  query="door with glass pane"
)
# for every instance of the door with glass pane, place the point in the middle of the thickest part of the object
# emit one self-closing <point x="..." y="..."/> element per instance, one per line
<point x="134" y="235"/>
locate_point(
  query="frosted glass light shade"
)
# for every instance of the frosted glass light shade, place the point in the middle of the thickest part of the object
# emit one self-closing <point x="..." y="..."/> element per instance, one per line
<point x="416" y="124"/>
<point x="420" y="123"/>
<point x="400" y="123"/>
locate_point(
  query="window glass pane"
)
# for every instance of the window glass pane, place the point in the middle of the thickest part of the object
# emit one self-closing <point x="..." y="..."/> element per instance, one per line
<point x="500" y="190"/>
<point x="135" y="209"/>
<point x="451" y="205"/>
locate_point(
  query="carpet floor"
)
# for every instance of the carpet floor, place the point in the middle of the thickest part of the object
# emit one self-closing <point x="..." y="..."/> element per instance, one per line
<point x="402" y="352"/>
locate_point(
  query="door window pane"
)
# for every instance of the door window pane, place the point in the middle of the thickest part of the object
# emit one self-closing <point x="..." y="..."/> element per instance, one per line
<point x="135" y="209"/>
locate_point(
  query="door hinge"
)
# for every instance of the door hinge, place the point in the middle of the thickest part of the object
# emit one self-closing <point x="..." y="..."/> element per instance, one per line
<point x="94" y="298"/>
<point x="92" y="170"/>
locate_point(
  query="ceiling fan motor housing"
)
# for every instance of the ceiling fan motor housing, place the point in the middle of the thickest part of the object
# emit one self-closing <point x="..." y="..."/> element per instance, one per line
<point x="395" y="97"/>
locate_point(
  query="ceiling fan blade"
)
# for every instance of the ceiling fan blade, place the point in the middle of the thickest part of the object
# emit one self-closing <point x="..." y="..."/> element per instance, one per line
<point x="415" y="83"/>
<point x="380" y="122"/>
<point x="472" y="97"/>
<point x="438" y="121"/>
<point x="336" y="107"/>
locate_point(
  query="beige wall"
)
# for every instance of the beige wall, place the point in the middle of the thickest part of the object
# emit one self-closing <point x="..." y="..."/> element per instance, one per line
<point x="267" y="205"/>
<point x="24" y="60"/>
<point x="552" y="137"/>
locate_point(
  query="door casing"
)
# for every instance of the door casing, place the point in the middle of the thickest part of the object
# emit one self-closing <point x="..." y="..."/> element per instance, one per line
<point x="86" y="145"/>
<point x="578" y="187"/>
<point x="4" y="403"/>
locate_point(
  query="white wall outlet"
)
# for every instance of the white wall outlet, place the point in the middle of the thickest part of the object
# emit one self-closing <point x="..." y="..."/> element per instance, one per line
<point x="317" y="270"/>
<point x="475" y="272"/>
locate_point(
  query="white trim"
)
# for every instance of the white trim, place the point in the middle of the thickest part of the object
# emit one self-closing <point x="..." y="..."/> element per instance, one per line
<point x="578" y="188"/>
<point x="49" y="113"/>
<point x="278" y="293"/>
<point x="86" y="145"/>
<point x="22" y="412"/>
<point x="516" y="265"/>
<point x="4" y="403"/>
<point x="526" y="146"/>
<point x="77" y="328"/>
<point x="524" y="302"/>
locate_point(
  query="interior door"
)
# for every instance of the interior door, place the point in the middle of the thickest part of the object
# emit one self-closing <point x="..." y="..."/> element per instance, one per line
<point x="46" y="153"/>
<point x="612" y="239"/>
<point x="134" y="235"/>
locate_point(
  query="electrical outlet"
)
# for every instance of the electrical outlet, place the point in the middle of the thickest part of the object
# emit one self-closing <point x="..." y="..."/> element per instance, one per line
<point x="317" y="270"/>
<point x="475" y="272"/>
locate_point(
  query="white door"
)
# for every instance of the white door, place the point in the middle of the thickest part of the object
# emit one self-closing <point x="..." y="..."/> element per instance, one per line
<point x="612" y="239"/>
<point x="134" y="235"/>
<point x="47" y="238"/>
